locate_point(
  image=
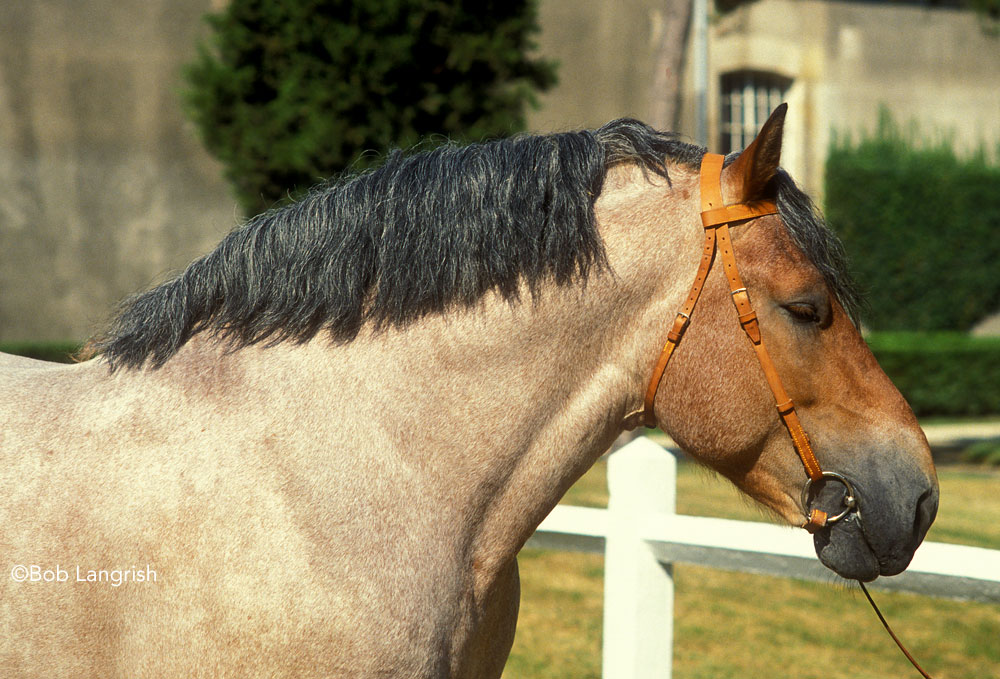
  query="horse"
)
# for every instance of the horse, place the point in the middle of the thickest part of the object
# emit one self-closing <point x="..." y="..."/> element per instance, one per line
<point x="317" y="451"/>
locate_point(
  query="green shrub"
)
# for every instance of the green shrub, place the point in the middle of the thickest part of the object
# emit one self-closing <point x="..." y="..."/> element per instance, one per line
<point x="59" y="352"/>
<point x="292" y="91"/>
<point x="983" y="452"/>
<point x="949" y="374"/>
<point x="920" y="227"/>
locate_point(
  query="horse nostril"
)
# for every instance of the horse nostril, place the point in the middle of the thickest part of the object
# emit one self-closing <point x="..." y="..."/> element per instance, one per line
<point x="927" y="507"/>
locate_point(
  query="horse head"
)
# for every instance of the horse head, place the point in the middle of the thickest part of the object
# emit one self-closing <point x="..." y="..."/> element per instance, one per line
<point x="717" y="401"/>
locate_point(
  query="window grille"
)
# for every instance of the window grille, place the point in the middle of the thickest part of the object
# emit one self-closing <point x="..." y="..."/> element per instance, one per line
<point x="747" y="97"/>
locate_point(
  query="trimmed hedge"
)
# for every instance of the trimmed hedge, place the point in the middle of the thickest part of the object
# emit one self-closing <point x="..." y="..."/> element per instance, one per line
<point x="59" y="352"/>
<point x="983" y="452"/>
<point x="920" y="226"/>
<point x="949" y="374"/>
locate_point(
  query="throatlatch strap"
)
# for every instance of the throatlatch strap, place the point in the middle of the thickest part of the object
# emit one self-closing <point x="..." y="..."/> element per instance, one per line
<point x="683" y="316"/>
<point x="716" y="217"/>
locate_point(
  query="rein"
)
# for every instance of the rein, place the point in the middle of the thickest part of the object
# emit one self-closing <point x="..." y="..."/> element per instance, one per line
<point x="716" y="217"/>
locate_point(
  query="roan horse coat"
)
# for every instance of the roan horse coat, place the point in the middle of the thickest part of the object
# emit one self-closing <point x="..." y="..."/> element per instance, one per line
<point x="317" y="451"/>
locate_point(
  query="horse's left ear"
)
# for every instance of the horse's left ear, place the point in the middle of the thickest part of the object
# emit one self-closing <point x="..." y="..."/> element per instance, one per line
<point x="758" y="163"/>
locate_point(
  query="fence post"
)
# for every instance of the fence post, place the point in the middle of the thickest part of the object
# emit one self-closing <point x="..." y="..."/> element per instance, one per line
<point x="638" y="590"/>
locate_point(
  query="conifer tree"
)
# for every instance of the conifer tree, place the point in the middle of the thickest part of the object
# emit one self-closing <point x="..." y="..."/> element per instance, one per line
<point x="288" y="92"/>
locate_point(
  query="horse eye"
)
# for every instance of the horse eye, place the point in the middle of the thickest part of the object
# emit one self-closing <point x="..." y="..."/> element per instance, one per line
<point x="803" y="313"/>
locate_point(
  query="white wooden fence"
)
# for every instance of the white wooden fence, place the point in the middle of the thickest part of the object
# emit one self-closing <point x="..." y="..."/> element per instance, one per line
<point x="641" y="536"/>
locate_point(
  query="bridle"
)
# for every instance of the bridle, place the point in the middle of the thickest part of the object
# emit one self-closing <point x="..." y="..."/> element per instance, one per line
<point x="716" y="217"/>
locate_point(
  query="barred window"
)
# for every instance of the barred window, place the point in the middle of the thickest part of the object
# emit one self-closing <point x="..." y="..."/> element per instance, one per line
<point x="747" y="97"/>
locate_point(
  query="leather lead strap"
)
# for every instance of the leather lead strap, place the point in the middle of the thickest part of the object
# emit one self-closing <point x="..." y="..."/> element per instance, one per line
<point x="892" y="634"/>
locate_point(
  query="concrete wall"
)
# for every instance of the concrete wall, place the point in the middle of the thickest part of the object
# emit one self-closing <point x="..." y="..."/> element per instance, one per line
<point x="614" y="62"/>
<point x="104" y="188"/>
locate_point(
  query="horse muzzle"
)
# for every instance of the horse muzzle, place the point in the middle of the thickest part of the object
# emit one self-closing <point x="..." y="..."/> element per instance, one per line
<point x="876" y="521"/>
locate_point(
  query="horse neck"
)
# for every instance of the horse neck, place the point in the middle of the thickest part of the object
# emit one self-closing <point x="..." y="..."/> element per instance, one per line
<point x="505" y="406"/>
<point x="510" y="404"/>
<point x="490" y="413"/>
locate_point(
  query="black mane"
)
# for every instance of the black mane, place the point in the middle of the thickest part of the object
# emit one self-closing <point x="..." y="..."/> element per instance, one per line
<point x="419" y="235"/>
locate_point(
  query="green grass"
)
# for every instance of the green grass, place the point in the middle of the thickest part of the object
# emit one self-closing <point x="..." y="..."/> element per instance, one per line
<point x="730" y="625"/>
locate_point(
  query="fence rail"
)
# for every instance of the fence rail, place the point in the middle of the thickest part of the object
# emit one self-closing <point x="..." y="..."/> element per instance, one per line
<point x="642" y="536"/>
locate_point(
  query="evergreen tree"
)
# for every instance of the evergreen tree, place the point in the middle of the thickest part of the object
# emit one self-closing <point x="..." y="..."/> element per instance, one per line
<point x="289" y="92"/>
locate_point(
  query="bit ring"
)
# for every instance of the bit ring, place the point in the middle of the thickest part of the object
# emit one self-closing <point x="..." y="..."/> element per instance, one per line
<point x="850" y="499"/>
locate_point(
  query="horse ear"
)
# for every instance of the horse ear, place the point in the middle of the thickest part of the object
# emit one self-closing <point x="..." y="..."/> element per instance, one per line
<point x="758" y="163"/>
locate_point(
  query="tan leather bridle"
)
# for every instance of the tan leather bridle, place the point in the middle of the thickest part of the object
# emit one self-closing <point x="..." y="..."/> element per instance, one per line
<point x="716" y="217"/>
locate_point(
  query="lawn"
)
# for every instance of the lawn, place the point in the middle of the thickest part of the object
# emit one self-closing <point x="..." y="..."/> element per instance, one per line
<point x="739" y="625"/>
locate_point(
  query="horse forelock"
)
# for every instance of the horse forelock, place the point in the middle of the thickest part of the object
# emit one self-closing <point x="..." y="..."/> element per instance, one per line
<point x="421" y="234"/>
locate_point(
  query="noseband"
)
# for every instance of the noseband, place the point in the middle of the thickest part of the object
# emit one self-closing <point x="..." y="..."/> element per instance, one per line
<point x="716" y="217"/>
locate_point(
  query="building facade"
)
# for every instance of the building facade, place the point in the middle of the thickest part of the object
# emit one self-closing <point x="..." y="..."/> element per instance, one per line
<point x="835" y="62"/>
